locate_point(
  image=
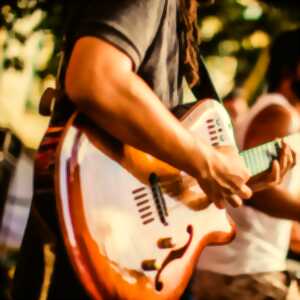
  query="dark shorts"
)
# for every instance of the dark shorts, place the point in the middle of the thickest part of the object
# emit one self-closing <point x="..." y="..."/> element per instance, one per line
<point x="261" y="286"/>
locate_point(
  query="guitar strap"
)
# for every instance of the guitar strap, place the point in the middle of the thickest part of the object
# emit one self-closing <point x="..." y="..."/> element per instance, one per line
<point x="205" y="87"/>
<point x="202" y="90"/>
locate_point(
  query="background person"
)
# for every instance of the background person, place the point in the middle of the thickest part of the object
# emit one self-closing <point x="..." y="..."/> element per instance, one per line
<point x="253" y="265"/>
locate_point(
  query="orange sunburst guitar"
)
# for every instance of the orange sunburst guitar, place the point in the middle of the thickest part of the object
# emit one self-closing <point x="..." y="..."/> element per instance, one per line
<point x="134" y="227"/>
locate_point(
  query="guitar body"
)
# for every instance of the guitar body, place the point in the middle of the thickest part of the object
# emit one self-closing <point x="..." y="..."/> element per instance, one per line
<point x="134" y="226"/>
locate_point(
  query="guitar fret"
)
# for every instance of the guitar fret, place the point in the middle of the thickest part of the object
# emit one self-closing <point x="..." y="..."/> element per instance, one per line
<point x="247" y="155"/>
<point x="252" y="162"/>
<point x="258" y="159"/>
<point x="269" y="154"/>
<point x="248" y="159"/>
<point x="256" y="163"/>
<point x="268" y="158"/>
<point x="263" y="157"/>
<point x="266" y="149"/>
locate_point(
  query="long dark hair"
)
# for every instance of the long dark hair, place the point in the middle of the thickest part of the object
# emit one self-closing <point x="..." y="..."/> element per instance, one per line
<point x="188" y="22"/>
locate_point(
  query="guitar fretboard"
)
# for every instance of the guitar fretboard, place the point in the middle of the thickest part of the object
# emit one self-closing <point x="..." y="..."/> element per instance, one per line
<point x="259" y="159"/>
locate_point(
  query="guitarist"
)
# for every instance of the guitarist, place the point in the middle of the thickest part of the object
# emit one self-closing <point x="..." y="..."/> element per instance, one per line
<point x="253" y="265"/>
<point x="124" y="67"/>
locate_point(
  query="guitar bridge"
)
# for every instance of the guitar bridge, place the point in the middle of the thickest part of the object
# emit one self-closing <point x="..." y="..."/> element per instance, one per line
<point x="159" y="199"/>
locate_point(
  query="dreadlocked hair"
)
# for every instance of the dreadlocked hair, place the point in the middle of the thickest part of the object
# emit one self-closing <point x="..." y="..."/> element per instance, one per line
<point x="189" y="38"/>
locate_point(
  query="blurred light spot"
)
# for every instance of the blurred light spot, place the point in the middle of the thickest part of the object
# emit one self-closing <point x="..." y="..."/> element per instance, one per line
<point x="258" y="39"/>
<point x="13" y="48"/>
<point x="32" y="3"/>
<point x="210" y="26"/>
<point x="3" y="37"/>
<point x="5" y="10"/>
<point x="22" y="4"/>
<point x="46" y="51"/>
<point x="228" y="47"/>
<point x="26" y="25"/>
<point x="222" y="70"/>
<point x="49" y="81"/>
<point x="7" y="13"/>
<point x="253" y="12"/>
<point x="246" y="2"/>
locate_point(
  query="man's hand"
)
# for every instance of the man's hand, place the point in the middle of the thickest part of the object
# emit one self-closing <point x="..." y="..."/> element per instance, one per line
<point x="223" y="177"/>
<point x="274" y="176"/>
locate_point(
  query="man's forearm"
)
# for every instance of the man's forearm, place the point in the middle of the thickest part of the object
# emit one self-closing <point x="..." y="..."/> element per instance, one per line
<point x="120" y="102"/>
<point x="277" y="202"/>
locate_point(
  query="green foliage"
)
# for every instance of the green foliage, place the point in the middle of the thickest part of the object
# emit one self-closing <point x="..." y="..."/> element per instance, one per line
<point x="240" y="21"/>
<point x="12" y="10"/>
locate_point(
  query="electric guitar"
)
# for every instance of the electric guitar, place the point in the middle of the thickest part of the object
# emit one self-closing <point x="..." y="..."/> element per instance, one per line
<point x="134" y="226"/>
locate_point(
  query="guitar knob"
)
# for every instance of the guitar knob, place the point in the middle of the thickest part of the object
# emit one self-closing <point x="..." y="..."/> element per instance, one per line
<point x="150" y="265"/>
<point x="165" y="243"/>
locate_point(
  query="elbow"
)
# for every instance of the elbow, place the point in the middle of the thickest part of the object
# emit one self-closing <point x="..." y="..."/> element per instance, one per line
<point x="96" y="71"/>
<point x="90" y="90"/>
<point x="76" y="87"/>
<point x="87" y="87"/>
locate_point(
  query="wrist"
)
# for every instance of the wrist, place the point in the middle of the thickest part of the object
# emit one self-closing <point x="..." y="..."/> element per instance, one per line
<point x="200" y="158"/>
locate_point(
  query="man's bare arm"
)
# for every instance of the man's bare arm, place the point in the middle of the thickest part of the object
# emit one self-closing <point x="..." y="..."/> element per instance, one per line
<point x="101" y="82"/>
<point x="277" y="201"/>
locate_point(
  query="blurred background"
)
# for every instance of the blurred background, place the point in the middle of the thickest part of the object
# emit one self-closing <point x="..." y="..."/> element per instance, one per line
<point x="235" y="36"/>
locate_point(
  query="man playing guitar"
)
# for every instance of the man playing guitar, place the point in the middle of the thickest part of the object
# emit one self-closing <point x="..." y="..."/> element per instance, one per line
<point x="124" y="66"/>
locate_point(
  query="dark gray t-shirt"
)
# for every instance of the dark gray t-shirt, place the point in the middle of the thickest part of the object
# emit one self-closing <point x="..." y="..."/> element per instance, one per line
<point x="146" y="30"/>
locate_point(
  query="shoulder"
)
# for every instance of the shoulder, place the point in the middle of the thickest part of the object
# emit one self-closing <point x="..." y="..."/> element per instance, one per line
<point x="274" y="113"/>
<point x="273" y="121"/>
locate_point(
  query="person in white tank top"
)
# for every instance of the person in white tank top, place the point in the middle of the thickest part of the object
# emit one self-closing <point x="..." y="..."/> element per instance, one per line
<point x="253" y="265"/>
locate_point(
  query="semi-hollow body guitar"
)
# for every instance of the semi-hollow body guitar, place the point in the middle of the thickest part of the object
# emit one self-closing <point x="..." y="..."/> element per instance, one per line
<point x="134" y="226"/>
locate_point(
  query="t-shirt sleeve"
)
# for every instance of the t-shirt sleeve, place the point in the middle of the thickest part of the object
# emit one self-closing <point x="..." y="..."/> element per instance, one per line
<point x="130" y="25"/>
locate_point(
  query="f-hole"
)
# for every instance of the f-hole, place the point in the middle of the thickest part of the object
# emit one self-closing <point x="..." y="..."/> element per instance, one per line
<point x="175" y="254"/>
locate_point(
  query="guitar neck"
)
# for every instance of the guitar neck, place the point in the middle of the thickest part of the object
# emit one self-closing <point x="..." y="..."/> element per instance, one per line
<point x="259" y="159"/>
